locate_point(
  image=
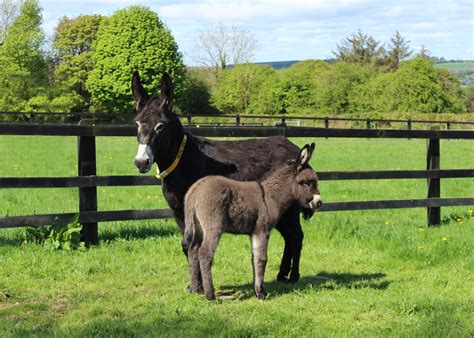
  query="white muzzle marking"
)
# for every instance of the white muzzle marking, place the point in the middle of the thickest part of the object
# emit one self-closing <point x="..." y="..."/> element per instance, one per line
<point x="315" y="202"/>
<point x="144" y="153"/>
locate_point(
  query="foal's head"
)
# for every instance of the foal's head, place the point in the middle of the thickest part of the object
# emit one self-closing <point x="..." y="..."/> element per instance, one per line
<point x="154" y="117"/>
<point x="305" y="184"/>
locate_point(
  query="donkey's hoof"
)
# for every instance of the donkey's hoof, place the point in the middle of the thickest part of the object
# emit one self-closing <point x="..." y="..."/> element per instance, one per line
<point x="294" y="277"/>
<point x="282" y="278"/>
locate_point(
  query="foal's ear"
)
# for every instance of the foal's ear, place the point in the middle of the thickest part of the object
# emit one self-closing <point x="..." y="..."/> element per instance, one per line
<point x="305" y="155"/>
<point x="166" y="89"/>
<point x="139" y="93"/>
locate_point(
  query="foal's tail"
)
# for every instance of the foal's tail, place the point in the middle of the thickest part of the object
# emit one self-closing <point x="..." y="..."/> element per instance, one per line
<point x="192" y="230"/>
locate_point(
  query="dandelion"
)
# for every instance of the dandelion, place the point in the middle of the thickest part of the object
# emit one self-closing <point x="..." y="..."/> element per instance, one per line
<point x="421" y="229"/>
<point x="459" y="220"/>
<point x="444" y="238"/>
<point x="387" y="222"/>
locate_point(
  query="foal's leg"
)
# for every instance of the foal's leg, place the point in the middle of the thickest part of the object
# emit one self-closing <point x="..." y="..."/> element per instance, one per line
<point x="194" y="270"/>
<point x="206" y="256"/>
<point x="259" y="260"/>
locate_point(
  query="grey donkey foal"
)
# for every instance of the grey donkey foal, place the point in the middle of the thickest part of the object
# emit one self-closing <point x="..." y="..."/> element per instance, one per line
<point x="216" y="204"/>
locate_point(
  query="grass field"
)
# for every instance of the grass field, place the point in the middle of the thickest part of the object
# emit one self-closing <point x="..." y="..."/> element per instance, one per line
<point x="456" y="66"/>
<point x="363" y="273"/>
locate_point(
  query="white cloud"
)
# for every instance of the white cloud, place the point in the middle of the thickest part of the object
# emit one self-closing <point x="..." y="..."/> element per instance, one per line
<point x="303" y="28"/>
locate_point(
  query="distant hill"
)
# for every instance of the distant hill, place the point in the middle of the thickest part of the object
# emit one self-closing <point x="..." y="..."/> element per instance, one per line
<point x="278" y="64"/>
<point x="464" y="70"/>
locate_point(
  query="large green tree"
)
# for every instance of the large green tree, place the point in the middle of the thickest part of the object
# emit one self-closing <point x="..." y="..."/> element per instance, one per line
<point x="72" y="45"/>
<point x="238" y="86"/>
<point x="132" y="39"/>
<point x="23" y="71"/>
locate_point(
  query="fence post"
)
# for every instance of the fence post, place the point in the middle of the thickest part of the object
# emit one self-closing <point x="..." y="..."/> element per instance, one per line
<point x="190" y="121"/>
<point x="237" y="120"/>
<point x="448" y="126"/>
<point x="283" y="121"/>
<point x="434" y="186"/>
<point x="326" y="122"/>
<point x="368" y="124"/>
<point x="87" y="196"/>
<point x="409" y="124"/>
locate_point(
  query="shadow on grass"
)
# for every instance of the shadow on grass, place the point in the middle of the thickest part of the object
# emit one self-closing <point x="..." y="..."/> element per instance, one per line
<point x="321" y="281"/>
<point x="139" y="232"/>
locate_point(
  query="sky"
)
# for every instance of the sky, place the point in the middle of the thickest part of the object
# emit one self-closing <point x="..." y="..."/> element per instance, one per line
<point x="300" y="29"/>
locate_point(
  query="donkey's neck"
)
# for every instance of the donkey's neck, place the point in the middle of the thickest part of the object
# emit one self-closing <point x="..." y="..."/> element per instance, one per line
<point x="169" y="150"/>
<point x="278" y="194"/>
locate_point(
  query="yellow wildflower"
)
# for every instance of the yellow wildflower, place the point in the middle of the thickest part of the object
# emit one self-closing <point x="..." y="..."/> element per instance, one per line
<point x="445" y="238"/>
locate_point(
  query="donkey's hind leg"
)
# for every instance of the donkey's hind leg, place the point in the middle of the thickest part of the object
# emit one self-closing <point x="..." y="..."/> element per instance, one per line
<point x="206" y="256"/>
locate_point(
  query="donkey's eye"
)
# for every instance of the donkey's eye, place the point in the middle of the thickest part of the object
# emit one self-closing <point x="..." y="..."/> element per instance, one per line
<point x="306" y="184"/>
<point x="158" y="127"/>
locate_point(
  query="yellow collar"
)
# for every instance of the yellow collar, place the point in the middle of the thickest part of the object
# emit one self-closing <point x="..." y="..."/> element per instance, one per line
<point x="173" y="165"/>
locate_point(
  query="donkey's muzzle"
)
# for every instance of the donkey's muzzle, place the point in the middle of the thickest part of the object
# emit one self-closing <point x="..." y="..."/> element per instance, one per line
<point x="143" y="165"/>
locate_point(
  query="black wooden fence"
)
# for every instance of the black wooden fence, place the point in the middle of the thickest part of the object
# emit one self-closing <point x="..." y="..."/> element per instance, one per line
<point x="87" y="181"/>
<point x="234" y="120"/>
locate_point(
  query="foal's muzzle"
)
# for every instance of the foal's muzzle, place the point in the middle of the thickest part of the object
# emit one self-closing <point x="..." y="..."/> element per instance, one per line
<point x="316" y="202"/>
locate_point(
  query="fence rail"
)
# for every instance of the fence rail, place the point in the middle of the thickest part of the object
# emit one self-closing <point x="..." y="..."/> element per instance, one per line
<point x="87" y="181"/>
<point x="235" y="120"/>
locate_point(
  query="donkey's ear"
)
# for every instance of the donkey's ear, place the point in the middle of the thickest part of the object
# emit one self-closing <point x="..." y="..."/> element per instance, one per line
<point x="166" y="88"/>
<point x="139" y="93"/>
<point x="305" y="155"/>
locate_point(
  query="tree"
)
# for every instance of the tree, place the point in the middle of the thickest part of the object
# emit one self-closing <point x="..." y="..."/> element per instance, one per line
<point x="424" y="52"/>
<point x="293" y="90"/>
<point x="196" y="98"/>
<point x="361" y="48"/>
<point x="72" y="44"/>
<point x="8" y="13"/>
<point x="398" y="50"/>
<point x="223" y="45"/>
<point x="132" y="39"/>
<point x="470" y="99"/>
<point x="239" y="86"/>
<point x="23" y="72"/>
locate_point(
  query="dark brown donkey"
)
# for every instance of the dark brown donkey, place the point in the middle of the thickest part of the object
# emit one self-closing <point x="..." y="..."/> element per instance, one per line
<point x="161" y="136"/>
<point x="215" y="204"/>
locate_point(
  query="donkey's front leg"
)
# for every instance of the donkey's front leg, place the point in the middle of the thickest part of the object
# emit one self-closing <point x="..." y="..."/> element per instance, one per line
<point x="259" y="260"/>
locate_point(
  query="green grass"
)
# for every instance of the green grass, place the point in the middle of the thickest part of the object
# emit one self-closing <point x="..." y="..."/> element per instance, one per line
<point x="363" y="273"/>
<point x="456" y="66"/>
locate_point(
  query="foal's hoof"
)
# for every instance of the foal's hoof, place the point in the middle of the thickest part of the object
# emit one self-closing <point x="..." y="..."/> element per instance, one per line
<point x="261" y="294"/>
<point x="210" y="296"/>
<point x="195" y="289"/>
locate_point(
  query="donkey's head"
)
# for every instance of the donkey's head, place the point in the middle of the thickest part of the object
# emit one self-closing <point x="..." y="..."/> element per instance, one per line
<point x="305" y="185"/>
<point x="154" y="116"/>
